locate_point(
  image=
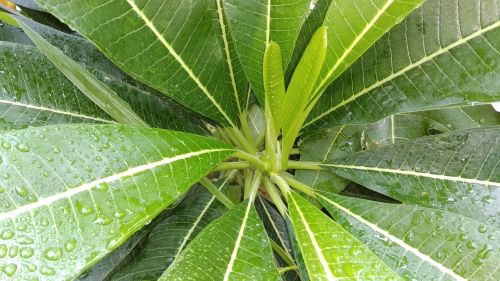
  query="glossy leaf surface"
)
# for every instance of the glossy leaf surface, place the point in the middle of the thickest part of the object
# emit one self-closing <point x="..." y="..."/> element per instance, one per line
<point x="443" y="54"/>
<point x="181" y="57"/>
<point x="331" y="252"/>
<point x="34" y="93"/>
<point x="421" y="243"/>
<point x="102" y="181"/>
<point x="343" y="140"/>
<point x="457" y="172"/>
<point x="167" y="240"/>
<point x="274" y="85"/>
<point x="235" y="246"/>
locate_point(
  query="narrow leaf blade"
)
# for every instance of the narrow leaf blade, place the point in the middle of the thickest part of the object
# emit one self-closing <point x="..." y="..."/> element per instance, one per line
<point x="274" y="84"/>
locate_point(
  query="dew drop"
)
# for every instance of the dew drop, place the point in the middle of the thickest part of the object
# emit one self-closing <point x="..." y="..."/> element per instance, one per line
<point x="7" y="234"/>
<point x="9" y="269"/>
<point x="53" y="254"/>
<point x="26" y="252"/>
<point x="471" y="245"/>
<point x="47" y="270"/>
<point x="22" y="147"/>
<point x="6" y="145"/>
<point x="103" y="220"/>
<point x="481" y="229"/>
<point x="70" y="245"/>
<point x="13" y="250"/>
<point x="3" y="251"/>
<point x="21" y="191"/>
<point x="84" y="210"/>
<point x="120" y="214"/>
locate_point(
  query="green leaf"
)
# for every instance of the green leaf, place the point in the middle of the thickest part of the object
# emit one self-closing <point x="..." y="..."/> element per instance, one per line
<point x="93" y="88"/>
<point x="353" y="26"/>
<point x="343" y="140"/>
<point x="34" y="93"/>
<point x="444" y="54"/>
<point x="235" y="246"/>
<point x="77" y="48"/>
<point x="274" y="85"/>
<point x="63" y="186"/>
<point x="329" y="251"/>
<point x="420" y="243"/>
<point x="301" y="87"/>
<point x="179" y="57"/>
<point x="254" y="24"/>
<point x="316" y="16"/>
<point x="456" y="172"/>
<point x="171" y="236"/>
<point x="27" y="3"/>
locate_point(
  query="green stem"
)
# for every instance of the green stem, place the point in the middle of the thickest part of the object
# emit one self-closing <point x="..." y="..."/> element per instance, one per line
<point x="275" y="196"/>
<point x="294" y="151"/>
<point x="285" y="269"/>
<point x="302" y="165"/>
<point x="282" y="253"/>
<point x="299" y="186"/>
<point x="232" y="166"/>
<point x="256" y="162"/>
<point x="217" y="193"/>
<point x="254" y="186"/>
<point x="281" y="183"/>
<point x="238" y="136"/>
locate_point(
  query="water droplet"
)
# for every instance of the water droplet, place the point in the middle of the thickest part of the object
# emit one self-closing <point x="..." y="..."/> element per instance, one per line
<point x="102" y="187"/>
<point x="103" y="220"/>
<point x="13" y="250"/>
<point x="483" y="253"/>
<point x="70" y="245"/>
<point x="26" y="252"/>
<point x="9" y="269"/>
<point x="6" y="145"/>
<point x="53" y="254"/>
<point x="471" y="245"/>
<point x="84" y="210"/>
<point x="47" y="270"/>
<point x="487" y="199"/>
<point x="482" y="120"/>
<point x="56" y="150"/>
<point x="6" y="176"/>
<point x="120" y="214"/>
<point x="7" y="234"/>
<point x="3" y="251"/>
<point x="21" y="191"/>
<point x="22" y="147"/>
<point x="482" y="229"/>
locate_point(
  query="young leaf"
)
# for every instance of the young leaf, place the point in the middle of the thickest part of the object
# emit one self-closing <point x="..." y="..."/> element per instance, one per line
<point x="235" y="246"/>
<point x="180" y="57"/>
<point x="420" y="243"/>
<point x="329" y="251"/>
<point x="456" y="172"/>
<point x="274" y="85"/>
<point x="301" y="88"/>
<point x="93" y="88"/>
<point x="254" y="24"/>
<point x="167" y="240"/>
<point x="428" y="61"/>
<point x="63" y="186"/>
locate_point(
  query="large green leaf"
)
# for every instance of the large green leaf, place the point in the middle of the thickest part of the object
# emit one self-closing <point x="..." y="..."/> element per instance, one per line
<point x="343" y="140"/>
<point x="181" y="56"/>
<point x="421" y="243"/>
<point x="235" y="246"/>
<point x="274" y="85"/>
<point x="75" y="47"/>
<point x="27" y="3"/>
<point x="353" y="26"/>
<point x="457" y="172"/>
<point x="34" y="93"/>
<point x="329" y="251"/>
<point x="171" y="236"/>
<point x="444" y="54"/>
<point x="71" y="194"/>
<point x="253" y="24"/>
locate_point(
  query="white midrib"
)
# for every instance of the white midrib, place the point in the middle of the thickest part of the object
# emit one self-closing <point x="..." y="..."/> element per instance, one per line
<point x="179" y="59"/>
<point x="88" y="186"/>
<point x="416" y="174"/>
<point x="398" y="241"/>
<point x="268" y="22"/>
<point x="228" y="54"/>
<point x="238" y="241"/>
<point x="356" y="40"/>
<point x="41" y="108"/>
<point x="406" y="69"/>
<point x="321" y="257"/>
